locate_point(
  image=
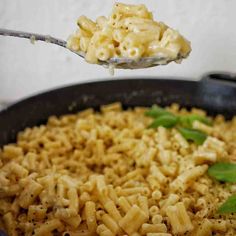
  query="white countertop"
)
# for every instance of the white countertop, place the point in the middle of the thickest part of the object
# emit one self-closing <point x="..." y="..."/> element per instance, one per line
<point x="26" y="69"/>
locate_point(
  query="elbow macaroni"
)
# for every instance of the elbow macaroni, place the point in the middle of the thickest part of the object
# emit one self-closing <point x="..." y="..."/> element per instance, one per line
<point x="179" y="218"/>
<point x="133" y="220"/>
<point x="129" y="32"/>
<point x="103" y="173"/>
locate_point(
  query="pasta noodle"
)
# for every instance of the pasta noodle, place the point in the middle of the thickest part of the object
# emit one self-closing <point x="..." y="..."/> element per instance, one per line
<point x="90" y="214"/>
<point x="133" y="220"/>
<point x="179" y="218"/>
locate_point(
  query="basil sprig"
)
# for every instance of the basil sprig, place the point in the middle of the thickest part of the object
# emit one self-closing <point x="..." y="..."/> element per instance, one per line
<point x="222" y="171"/>
<point x="229" y="206"/>
<point x="167" y="121"/>
<point x="184" y="123"/>
<point x="157" y="111"/>
<point x="225" y="172"/>
<point x="193" y="135"/>
<point x="187" y="120"/>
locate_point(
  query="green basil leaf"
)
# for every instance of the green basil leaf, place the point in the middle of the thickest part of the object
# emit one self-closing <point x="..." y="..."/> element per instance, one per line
<point x="187" y="120"/>
<point x="166" y="121"/>
<point x="229" y="206"/>
<point x="223" y="171"/>
<point x="202" y="119"/>
<point x="157" y="111"/>
<point x="193" y="135"/>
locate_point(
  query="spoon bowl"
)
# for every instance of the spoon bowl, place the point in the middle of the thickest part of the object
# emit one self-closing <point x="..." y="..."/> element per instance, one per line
<point x="119" y="63"/>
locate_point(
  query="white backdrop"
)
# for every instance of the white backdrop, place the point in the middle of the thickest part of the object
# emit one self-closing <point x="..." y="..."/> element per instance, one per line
<point x="26" y="68"/>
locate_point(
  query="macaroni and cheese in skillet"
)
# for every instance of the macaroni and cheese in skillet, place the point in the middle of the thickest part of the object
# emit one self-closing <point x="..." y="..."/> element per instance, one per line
<point x="154" y="172"/>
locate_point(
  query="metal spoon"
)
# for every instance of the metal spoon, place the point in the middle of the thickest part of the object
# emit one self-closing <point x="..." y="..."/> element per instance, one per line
<point x="121" y="63"/>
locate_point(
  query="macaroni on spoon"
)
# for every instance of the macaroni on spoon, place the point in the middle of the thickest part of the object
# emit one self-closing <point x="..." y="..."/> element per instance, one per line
<point x="129" y="33"/>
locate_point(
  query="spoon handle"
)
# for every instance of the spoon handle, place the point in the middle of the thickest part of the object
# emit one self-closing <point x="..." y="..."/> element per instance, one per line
<point x="33" y="37"/>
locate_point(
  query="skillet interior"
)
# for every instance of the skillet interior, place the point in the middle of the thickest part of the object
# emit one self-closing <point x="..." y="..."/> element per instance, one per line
<point x="215" y="97"/>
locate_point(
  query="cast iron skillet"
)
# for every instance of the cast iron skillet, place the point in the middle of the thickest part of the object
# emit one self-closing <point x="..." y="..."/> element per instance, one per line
<point x="215" y="92"/>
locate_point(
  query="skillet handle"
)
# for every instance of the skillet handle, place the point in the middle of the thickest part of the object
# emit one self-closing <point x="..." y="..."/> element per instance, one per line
<point x="221" y="77"/>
